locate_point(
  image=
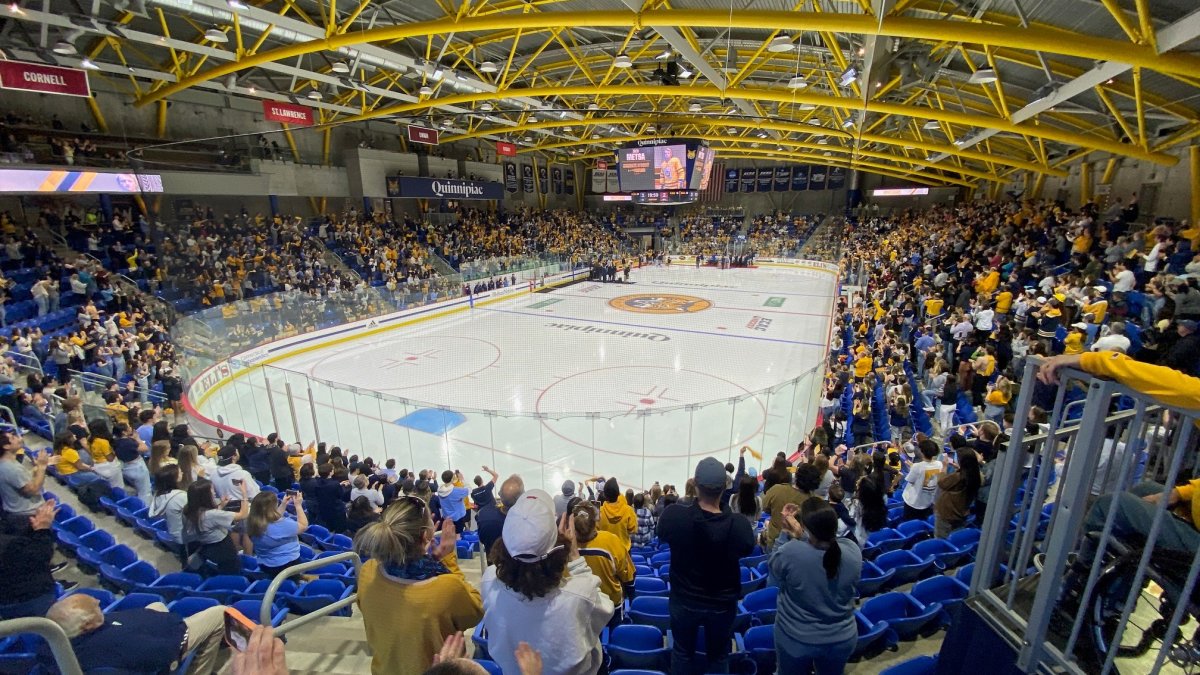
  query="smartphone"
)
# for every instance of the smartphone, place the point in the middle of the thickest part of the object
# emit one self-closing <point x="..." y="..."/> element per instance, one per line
<point x="237" y="629"/>
<point x="290" y="493"/>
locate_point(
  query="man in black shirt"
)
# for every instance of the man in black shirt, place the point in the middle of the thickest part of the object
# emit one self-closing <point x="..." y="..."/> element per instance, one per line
<point x="27" y="585"/>
<point x="707" y="540"/>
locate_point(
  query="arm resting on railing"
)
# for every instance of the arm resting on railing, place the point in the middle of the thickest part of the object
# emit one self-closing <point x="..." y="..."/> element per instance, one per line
<point x="1164" y="384"/>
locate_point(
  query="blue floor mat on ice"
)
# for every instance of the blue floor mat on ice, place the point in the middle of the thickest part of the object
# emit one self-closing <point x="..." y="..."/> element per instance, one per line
<point x="432" y="420"/>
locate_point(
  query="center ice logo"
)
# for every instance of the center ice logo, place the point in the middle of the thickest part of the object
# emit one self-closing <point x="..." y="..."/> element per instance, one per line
<point x="648" y="303"/>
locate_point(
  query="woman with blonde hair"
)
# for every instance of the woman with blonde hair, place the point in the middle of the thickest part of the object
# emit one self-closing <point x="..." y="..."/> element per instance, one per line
<point x="408" y="569"/>
<point x="189" y="466"/>
<point x="605" y="554"/>
<point x="276" y="537"/>
<point x="160" y="456"/>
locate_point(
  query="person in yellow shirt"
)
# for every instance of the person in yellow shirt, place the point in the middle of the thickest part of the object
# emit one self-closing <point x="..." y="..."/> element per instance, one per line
<point x="1004" y="301"/>
<point x="863" y="364"/>
<point x="671" y="174"/>
<point x="1096" y="307"/>
<point x="1073" y="342"/>
<point x="996" y="401"/>
<point x="933" y="306"/>
<point x="404" y="568"/>
<point x="617" y="516"/>
<point x="988" y="283"/>
<point x="604" y="553"/>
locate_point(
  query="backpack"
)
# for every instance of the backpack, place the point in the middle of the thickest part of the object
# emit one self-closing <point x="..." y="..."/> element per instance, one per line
<point x="90" y="493"/>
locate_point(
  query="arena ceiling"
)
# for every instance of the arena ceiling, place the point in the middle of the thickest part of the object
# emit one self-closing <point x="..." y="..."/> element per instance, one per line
<point x="937" y="91"/>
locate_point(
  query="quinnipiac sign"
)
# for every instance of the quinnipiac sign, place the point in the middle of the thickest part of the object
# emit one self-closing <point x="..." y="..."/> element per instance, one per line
<point x="405" y="187"/>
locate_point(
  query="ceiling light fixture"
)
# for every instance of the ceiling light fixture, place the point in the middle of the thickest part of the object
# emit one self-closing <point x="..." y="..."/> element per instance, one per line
<point x="797" y="82"/>
<point x="532" y="119"/>
<point x="215" y="34"/>
<point x="847" y="124"/>
<point x="781" y="43"/>
<point x="87" y="64"/>
<point x="848" y="77"/>
<point x="488" y="67"/>
<point x="425" y="90"/>
<point x="931" y="125"/>
<point x="651" y="129"/>
<point x="983" y="76"/>
<point x="339" y="67"/>
<point x="315" y="95"/>
<point x="252" y="90"/>
<point x="622" y="61"/>
<point x="694" y="107"/>
<point x="593" y="106"/>
<point x="595" y="137"/>
<point x="684" y="74"/>
<point x="666" y="54"/>
<point x="236" y="4"/>
<point x="808" y="106"/>
<point x="486" y="107"/>
<point x="64" y="47"/>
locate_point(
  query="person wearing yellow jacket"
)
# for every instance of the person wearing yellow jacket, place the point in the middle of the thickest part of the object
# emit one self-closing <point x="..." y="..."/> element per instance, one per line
<point x="604" y="553"/>
<point x="616" y="516"/>
<point x="1164" y="384"/>
<point x="410" y="591"/>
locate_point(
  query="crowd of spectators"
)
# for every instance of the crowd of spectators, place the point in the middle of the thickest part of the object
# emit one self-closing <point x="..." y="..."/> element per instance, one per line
<point x="775" y="234"/>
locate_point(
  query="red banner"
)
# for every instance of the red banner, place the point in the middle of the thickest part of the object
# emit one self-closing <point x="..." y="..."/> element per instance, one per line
<point x="288" y="113"/>
<point x="422" y="135"/>
<point x="506" y="149"/>
<point x="601" y="165"/>
<point x="44" y="79"/>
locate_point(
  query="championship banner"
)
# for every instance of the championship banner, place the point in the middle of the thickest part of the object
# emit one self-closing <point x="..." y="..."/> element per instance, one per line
<point x="506" y="149"/>
<point x="783" y="178"/>
<point x="287" y="113"/>
<point x="748" y="177"/>
<point x="837" y="177"/>
<point x="816" y="177"/>
<point x="800" y="178"/>
<point x="527" y="178"/>
<point x="731" y="180"/>
<point x="614" y="180"/>
<point x="543" y="181"/>
<point x="44" y="79"/>
<point x="764" y="179"/>
<point x="556" y="178"/>
<point x="510" y="177"/>
<point x="569" y="179"/>
<point x="599" y="181"/>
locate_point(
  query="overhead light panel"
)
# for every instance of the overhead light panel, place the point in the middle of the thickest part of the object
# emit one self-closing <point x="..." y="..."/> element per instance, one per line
<point x="339" y="67"/>
<point x="651" y="129"/>
<point x="64" y="48"/>
<point x="438" y="73"/>
<point x="781" y="43"/>
<point x="623" y="61"/>
<point x="532" y="119"/>
<point x="87" y="64"/>
<point x="486" y="107"/>
<point x="931" y="125"/>
<point x="848" y="77"/>
<point x="695" y="107"/>
<point x="315" y="95"/>
<point x="808" y="106"/>
<point x="684" y="73"/>
<point x="596" y="137"/>
<point x="847" y="124"/>
<point x="798" y="82"/>
<point x="216" y="35"/>
<point x="666" y="54"/>
<point x="488" y="67"/>
<point x="593" y="106"/>
<point x="983" y="76"/>
<point x="425" y="90"/>
<point x="236" y="4"/>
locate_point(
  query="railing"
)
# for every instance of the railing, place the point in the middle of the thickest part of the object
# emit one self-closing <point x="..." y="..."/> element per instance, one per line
<point x="52" y="633"/>
<point x="264" y="617"/>
<point x="1063" y="622"/>
<point x="27" y="362"/>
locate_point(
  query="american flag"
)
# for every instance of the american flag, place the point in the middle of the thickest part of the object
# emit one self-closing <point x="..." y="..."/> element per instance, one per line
<point x="716" y="184"/>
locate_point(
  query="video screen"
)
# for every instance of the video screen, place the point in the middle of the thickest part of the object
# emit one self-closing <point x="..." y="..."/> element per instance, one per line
<point x="33" y="180"/>
<point x="670" y="167"/>
<point x="636" y="169"/>
<point x="702" y="168"/>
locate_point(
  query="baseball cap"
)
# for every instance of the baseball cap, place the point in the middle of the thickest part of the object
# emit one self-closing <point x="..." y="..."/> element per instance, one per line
<point x="1188" y="324"/>
<point x="530" y="533"/>
<point x="1080" y="325"/>
<point x="710" y="473"/>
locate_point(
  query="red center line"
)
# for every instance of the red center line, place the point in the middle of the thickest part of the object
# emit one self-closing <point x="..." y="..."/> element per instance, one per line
<point x="735" y="309"/>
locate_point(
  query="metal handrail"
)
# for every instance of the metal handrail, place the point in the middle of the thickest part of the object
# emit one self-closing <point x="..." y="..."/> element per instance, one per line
<point x="52" y="633"/>
<point x="264" y="612"/>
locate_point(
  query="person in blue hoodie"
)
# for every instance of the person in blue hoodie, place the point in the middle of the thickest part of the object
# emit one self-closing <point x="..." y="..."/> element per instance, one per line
<point x="450" y="497"/>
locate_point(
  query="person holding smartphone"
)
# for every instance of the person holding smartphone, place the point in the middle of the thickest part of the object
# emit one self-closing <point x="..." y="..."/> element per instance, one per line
<point x="276" y="537"/>
<point x="206" y="529"/>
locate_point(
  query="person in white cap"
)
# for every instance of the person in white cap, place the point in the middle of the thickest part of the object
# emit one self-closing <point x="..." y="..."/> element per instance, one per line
<point x="1114" y="341"/>
<point x="542" y="592"/>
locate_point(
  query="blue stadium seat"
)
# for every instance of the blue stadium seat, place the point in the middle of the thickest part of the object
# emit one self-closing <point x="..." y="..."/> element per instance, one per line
<point x="908" y="567"/>
<point x="966" y="539"/>
<point x="175" y="584"/>
<point x="317" y="594"/>
<point x="873" y="580"/>
<point x="97" y="540"/>
<point x="873" y="637"/>
<point x="903" y="614"/>
<point x="638" y="646"/>
<point x="315" y="535"/>
<point x="944" y="554"/>
<point x="643" y="586"/>
<point x="751" y="581"/>
<point x="134" y="601"/>
<point x="914" y="531"/>
<point x="651" y="610"/>
<point x="885" y="540"/>
<point x="250" y="608"/>
<point x="186" y="607"/>
<point x="222" y="587"/>
<point x="759" y="643"/>
<point x="762" y="605"/>
<point x="126" y="579"/>
<point x="118" y="555"/>
<point x="946" y="591"/>
<point x="479" y="639"/>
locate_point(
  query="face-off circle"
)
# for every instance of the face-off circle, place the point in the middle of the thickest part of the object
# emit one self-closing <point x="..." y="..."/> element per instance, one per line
<point x="631" y="389"/>
<point x="660" y="303"/>
<point x="408" y="363"/>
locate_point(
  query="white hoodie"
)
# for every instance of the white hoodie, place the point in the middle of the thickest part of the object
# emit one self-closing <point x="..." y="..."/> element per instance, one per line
<point x="222" y="480"/>
<point x="564" y="625"/>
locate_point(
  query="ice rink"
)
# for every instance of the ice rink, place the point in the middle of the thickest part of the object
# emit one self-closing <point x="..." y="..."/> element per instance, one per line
<point x="637" y="380"/>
